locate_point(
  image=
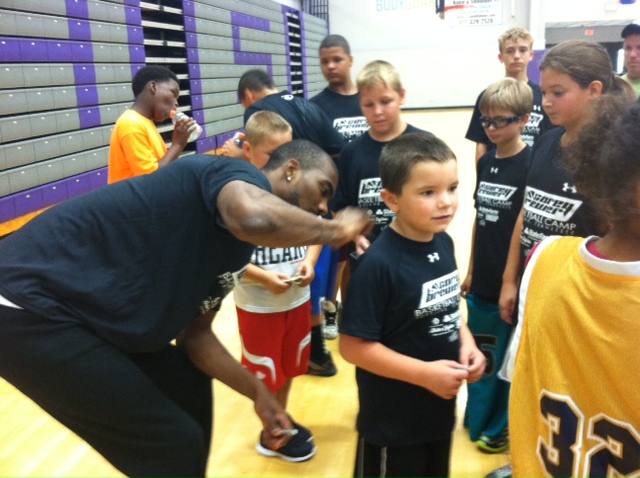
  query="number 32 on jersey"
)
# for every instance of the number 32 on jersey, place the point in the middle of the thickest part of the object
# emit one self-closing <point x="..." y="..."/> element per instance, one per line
<point x="577" y="445"/>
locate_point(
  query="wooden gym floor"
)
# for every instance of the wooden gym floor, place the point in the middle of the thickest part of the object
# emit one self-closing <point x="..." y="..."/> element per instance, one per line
<point x="33" y="444"/>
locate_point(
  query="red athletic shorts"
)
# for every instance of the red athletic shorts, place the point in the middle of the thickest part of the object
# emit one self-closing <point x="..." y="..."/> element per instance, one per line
<point x="276" y="346"/>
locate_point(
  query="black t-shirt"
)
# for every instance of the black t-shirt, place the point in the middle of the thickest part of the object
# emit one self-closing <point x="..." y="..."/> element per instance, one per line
<point x="360" y="186"/>
<point x="307" y="120"/>
<point x="538" y="124"/>
<point x="498" y="200"/>
<point x="405" y="295"/>
<point x="135" y="261"/>
<point x="552" y="205"/>
<point x="344" y="111"/>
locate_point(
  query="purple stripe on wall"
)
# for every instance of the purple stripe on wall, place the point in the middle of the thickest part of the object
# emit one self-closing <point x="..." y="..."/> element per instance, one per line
<point x="77" y="9"/>
<point x="137" y="54"/>
<point x="195" y="86"/>
<point x="79" y="29"/>
<point x="242" y="20"/>
<point x="194" y="71"/>
<point x="27" y="202"/>
<point x="84" y="74"/>
<point x="189" y="8"/>
<point x="252" y="58"/>
<point x="196" y="101"/>
<point x="82" y="52"/>
<point x="191" y="40"/>
<point x="236" y="38"/>
<point x="89" y="117"/>
<point x="136" y="35"/>
<point x="133" y="16"/>
<point x="192" y="55"/>
<point x="134" y="3"/>
<point x="7" y="209"/>
<point x="87" y="95"/>
<point x="189" y="24"/>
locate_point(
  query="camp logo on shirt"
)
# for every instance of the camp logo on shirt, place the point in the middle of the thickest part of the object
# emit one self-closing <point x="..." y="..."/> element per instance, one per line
<point x="439" y="294"/>
<point x="226" y="283"/>
<point x="495" y="195"/>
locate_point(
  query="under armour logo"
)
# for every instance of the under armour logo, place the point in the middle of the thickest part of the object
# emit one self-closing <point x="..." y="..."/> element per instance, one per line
<point x="287" y="97"/>
<point x="494" y="170"/>
<point x="568" y="187"/>
<point x="433" y="257"/>
<point x="537" y="108"/>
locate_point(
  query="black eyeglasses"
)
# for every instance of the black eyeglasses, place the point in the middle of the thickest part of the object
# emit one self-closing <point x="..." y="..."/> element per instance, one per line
<point x="499" y="121"/>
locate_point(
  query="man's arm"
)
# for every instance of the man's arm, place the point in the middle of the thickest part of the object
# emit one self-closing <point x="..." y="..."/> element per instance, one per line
<point x="258" y="217"/>
<point x="205" y="350"/>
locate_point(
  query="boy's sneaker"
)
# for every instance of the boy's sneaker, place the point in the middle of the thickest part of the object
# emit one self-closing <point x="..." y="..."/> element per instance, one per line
<point x="299" y="448"/>
<point x="504" y="472"/>
<point x="494" y="445"/>
<point x="330" y="328"/>
<point x="324" y="368"/>
<point x="303" y="432"/>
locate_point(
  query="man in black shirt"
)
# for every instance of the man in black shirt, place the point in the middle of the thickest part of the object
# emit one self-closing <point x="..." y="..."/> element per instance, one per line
<point x="94" y="291"/>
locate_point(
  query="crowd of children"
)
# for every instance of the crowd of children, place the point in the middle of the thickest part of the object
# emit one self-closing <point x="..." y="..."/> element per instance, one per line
<point x="558" y="159"/>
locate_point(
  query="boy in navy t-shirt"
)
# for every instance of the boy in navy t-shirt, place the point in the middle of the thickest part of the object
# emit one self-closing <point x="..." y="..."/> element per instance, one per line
<point x="499" y="194"/>
<point x="402" y="326"/>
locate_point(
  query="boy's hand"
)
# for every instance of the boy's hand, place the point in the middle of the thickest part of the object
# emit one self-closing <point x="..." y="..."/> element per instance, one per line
<point x="275" y="282"/>
<point x="307" y="272"/>
<point x="472" y="358"/>
<point x="508" y="295"/>
<point x="182" y="130"/>
<point x="444" y="378"/>
<point x="230" y="148"/>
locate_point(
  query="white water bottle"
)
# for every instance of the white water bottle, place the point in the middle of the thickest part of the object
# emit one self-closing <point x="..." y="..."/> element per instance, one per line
<point x="197" y="131"/>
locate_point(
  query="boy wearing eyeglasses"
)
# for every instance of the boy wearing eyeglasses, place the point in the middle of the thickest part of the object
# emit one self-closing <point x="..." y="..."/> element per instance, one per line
<point x="516" y="52"/>
<point x="499" y="194"/>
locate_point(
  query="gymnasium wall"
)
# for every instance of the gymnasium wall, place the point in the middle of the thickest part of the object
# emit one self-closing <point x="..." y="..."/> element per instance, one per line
<point x="66" y="77"/>
<point x="446" y="60"/>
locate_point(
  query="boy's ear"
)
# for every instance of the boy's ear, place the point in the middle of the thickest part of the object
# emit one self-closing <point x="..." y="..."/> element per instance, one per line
<point x="390" y="199"/>
<point x="247" y="150"/>
<point x="523" y="121"/>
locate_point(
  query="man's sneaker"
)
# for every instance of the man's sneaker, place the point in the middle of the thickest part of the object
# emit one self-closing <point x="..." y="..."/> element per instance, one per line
<point x="330" y="321"/>
<point x="504" y="472"/>
<point x="325" y="368"/>
<point x="494" y="445"/>
<point x="296" y="450"/>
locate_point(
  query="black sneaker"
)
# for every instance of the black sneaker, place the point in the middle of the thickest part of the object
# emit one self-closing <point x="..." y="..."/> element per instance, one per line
<point x="304" y="432"/>
<point x="326" y="368"/>
<point x="296" y="450"/>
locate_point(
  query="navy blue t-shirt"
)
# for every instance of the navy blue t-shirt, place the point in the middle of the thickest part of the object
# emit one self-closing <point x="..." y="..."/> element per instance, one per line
<point x="307" y="120"/>
<point x="135" y="261"/>
<point x="498" y="200"/>
<point x="344" y="111"/>
<point x="360" y="184"/>
<point x="552" y="204"/>
<point x="405" y="294"/>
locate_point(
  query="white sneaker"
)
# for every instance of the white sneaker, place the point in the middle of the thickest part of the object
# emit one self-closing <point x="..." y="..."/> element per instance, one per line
<point x="330" y="321"/>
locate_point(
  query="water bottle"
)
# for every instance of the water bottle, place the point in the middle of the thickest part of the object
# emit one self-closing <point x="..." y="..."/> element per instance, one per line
<point x="195" y="134"/>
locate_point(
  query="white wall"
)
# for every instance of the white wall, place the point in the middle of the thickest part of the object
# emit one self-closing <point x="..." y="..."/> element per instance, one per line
<point x="444" y="63"/>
